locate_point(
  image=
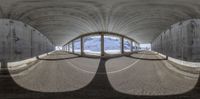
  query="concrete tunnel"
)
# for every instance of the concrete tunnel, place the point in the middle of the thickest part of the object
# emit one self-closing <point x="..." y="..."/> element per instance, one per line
<point x="92" y="49"/>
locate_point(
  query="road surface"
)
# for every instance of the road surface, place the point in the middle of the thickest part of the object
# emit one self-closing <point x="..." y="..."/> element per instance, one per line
<point x="141" y="73"/>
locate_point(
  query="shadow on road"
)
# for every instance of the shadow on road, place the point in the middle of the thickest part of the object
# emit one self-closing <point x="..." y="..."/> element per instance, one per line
<point x="56" y="59"/>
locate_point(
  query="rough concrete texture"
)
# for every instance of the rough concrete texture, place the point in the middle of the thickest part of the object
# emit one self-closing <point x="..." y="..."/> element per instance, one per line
<point x="181" y="41"/>
<point x="19" y="41"/>
<point x="76" y="78"/>
<point x="63" y="20"/>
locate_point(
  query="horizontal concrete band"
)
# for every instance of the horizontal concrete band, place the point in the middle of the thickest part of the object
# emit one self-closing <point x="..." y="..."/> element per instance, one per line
<point x="21" y="64"/>
<point x="16" y="68"/>
<point x="189" y="69"/>
<point x="181" y="62"/>
<point x="184" y="63"/>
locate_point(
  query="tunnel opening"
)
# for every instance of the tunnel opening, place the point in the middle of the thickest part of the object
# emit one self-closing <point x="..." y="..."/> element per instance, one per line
<point x="102" y="44"/>
<point x="112" y="44"/>
<point x="145" y="46"/>
<point x="92" y="45"/>
<point x="77" y="46"/>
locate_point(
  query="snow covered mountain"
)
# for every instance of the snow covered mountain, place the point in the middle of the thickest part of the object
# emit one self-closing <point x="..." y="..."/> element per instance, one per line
<point x="94" y="44"/>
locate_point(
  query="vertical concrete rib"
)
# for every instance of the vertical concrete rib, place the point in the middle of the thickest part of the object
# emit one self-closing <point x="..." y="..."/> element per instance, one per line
<point x="131" y="46"/>
<point x="122" y="45"/>
<point x="73" y="47"/>
<point x="82" y="47"/>
<point x="102" y="44"/>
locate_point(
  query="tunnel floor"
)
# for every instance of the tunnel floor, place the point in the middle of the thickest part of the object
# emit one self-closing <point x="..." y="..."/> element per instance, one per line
<point x="65" y="76"/>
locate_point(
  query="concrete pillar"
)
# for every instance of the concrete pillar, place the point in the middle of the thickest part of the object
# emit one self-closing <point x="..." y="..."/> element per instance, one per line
<point x="102" y="44"/>
<point x="132" y="46"/>
<point x="68" y="47"/>
<point x="122" y="45"/>
<point x="82" y="47"/>
<point x="73" y="47"/>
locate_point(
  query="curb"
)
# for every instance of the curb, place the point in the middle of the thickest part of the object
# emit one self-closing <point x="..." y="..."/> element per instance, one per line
<point x="16" y="68"/>
<point x="179" y="71"/>
<point x="192" y="72"/>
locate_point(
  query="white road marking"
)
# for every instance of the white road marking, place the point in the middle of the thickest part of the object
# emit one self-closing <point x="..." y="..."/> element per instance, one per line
<point x="80" y="68"/>
<point x="127" y="67"/>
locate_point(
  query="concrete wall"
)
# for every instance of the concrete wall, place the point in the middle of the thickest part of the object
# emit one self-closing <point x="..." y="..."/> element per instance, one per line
<point x="181" y="41"/>
<point x="19" y="41"/>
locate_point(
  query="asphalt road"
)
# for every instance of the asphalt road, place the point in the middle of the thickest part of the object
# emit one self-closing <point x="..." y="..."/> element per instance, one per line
<point x="73" y="77"/>
<point x="67" y="74"/>
<point x="146" y="76"/>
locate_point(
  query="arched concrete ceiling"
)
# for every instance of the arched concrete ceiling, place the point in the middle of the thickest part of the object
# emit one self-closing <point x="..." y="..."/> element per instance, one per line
<point x="62" y="20"/>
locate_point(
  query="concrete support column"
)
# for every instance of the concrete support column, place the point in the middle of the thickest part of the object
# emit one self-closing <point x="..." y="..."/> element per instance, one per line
<point x="122" y="45"/>
<point x="102" y="44"/>
<point x="131" y="46"/>
<point x="82" y="47"/>
<point x="65" y="48"/>
<point x="73" y="47"/>
<point x="68" y="48"/>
